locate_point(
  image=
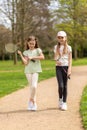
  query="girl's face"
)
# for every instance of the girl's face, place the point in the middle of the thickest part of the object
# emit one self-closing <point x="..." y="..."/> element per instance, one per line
<point x="31" y="44"/>
<point x="61" y="40"/>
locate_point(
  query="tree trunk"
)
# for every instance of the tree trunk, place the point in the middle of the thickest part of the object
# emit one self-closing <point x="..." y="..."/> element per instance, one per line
<point x="74" y="28"/>
<point x="13" y="30"/>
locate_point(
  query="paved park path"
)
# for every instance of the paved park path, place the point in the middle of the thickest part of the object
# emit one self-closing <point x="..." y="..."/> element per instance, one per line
<point x="14" y="114"/>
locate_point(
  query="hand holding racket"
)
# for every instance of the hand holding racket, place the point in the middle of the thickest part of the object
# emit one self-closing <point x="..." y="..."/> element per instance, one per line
<point x="68" y="76"/>
<point x="19" y="52"/>
<point x="69" y="73"/>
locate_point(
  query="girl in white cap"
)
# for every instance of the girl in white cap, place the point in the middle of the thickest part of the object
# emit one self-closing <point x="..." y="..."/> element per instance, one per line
<point x="63" y="58"/>
<point x="31" y="58"/>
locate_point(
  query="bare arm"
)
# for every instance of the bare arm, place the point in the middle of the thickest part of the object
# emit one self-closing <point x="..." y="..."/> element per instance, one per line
<point x="24" y="59"/>
<point x="70" y="63"/>
<point x="55" y="56"/>
<point x="40" y="57"/>
<point x="56" y="59"/>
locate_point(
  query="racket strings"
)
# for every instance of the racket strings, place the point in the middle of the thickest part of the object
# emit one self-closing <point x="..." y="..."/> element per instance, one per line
<point x="11" y="47"/>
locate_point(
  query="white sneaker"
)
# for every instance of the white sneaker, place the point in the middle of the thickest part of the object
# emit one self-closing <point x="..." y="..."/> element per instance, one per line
<point x="60" y="103"/>
<point x="34" y="107"/>
<point x="64" y="106"/>
<point x="30" y="105"/>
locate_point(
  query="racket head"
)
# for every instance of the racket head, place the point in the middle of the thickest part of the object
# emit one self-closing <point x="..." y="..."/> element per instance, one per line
<point x="11" y="48"/>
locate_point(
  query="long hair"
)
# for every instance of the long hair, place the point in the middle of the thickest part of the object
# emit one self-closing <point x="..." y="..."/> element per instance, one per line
<point x="31" y="38"/>
<point x="65" y="50"/>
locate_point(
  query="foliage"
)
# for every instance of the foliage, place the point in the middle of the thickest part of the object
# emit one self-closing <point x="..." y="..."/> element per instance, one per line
<point x="72" y="15"/>
<point x="29" y="18"/>
<point x="83" y="107"/>
<point x="38" y="18"/>
<point x="5" y="35"/>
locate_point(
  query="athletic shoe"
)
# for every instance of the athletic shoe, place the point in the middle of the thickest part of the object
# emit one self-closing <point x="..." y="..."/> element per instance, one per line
<point x="60" y="103"/>
<point x="30" y="105"/>
<point x="34" y="107"/>
<point x="64" y="107"/>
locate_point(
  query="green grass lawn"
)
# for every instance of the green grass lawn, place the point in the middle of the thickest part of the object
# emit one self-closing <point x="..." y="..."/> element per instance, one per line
<point x="79" y="62"/>
<point x="83" y="108"/>
<point x="83" y="102"/>
<point x="12" y="78"/>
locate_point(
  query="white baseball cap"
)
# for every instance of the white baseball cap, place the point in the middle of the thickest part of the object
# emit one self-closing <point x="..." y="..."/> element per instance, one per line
<point x="62" y="34"/>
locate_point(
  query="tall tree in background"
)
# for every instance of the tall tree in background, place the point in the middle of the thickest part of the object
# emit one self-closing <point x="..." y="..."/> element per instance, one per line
<point x="71" y="15"/>
<point x="8" y="8"/>
<point x="30" y="17"/>
<point x="5" y="35"/>
<point x="36" y="20"/>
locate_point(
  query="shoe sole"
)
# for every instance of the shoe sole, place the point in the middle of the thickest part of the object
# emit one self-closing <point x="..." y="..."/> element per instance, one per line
<point x="63" y="109"/>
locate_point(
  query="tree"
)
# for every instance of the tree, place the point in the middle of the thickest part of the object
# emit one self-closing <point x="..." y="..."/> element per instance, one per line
<point x="9" y="10"/>
<point x="30" y="17"/>
<point x="72" y="16"/>
<point x="5" y="35"/>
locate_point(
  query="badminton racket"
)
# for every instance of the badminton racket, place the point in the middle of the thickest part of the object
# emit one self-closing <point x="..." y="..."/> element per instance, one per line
<point x="11" y="48"/>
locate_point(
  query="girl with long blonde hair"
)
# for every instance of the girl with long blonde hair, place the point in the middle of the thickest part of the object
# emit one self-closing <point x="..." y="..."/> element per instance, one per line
<point x="63" y="58"/>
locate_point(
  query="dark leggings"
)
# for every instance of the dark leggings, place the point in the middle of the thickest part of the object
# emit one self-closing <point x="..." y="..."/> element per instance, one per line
<point x="61" y="74"/>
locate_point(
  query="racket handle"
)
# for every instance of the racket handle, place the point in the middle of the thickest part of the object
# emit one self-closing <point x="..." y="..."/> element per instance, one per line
<point x="32" y="60"/>
<point x="68" y="76"/>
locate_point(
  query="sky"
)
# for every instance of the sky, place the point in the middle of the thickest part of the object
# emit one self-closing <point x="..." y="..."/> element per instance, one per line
<point x="5" y="21"/>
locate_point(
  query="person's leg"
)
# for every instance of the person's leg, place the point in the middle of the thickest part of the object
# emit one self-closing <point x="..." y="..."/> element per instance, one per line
<point x="29" y="78"/>
<point x="33" y="90"/>
<point x="59" y="77"/>
<point x="34" y="86"/>
<point x="65" y="93"/>
<point x="60" y="84"/>
<point x="65" y="79"/>
<point x="33" y="80"/>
